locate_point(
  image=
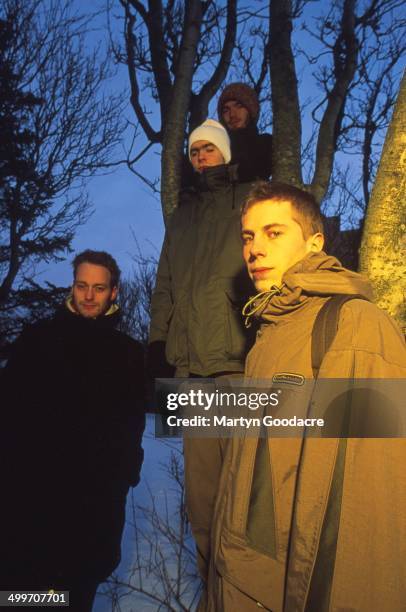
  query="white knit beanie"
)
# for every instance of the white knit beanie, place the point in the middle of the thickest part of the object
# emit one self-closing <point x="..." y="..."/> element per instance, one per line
<point x="213" y="132"/>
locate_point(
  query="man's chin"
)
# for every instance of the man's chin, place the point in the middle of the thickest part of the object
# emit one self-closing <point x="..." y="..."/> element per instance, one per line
<point x="88" y="313"/>
<point x="266" y="285"/>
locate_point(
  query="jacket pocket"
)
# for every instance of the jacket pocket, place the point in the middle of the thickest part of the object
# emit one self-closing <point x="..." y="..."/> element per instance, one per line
<point x="229" y="598"/>
<point x="264" y="585"/>
<point x="176" y="342"/>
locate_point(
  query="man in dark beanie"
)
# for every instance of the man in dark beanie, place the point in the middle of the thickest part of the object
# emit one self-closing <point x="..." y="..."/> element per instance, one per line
<point x="238" y="111"/>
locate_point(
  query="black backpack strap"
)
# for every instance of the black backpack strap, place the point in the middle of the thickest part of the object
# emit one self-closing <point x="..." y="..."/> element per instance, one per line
<point x="325" y="328"/>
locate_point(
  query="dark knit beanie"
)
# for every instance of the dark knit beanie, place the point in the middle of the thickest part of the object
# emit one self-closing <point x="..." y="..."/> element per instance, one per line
<point x="243" y="94"/>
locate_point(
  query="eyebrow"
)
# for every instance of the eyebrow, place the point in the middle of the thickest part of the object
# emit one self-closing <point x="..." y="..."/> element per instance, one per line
<point x="81" y="282"/>
<point x="274" y="225"/>
<point x="266" y="228"/>
<point x="197" y="149"/>
<point x="233" y="102"/>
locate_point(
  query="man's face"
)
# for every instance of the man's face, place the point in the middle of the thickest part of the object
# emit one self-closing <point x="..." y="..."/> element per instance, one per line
<point x="273" y="242"/>
<point x="91" y="292"/>
<point x="235" y="115"/>
<point x="204" y="154"/>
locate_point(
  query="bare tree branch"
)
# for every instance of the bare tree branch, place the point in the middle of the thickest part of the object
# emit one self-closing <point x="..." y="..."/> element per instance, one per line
<point x="345" y="54"/>
<point x="151" y="134"/>
<point x="58" y="129"/>
<point x="200" y="102"/>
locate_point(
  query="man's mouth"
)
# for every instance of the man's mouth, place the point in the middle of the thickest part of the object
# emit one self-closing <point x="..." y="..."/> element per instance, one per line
<point x="260" y="272"/>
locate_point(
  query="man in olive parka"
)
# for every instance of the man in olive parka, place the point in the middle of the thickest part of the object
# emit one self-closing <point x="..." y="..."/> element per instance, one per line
<point x="201" y="281"/>
<point x="201" y="286"/>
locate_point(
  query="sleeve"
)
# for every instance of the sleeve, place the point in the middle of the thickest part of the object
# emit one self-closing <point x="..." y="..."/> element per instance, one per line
<point x="134" y="425"/>
<point x="367" y="359"/>
<point x="161" y="301"/>
<point x="22" y="369"/>
<point x="24" y="419"/>
<point x="368" y="344"/>
<point x="161" y="309"/>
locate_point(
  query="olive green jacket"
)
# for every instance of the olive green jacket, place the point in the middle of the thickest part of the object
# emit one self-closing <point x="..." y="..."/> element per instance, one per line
<point x="202" y="281"/>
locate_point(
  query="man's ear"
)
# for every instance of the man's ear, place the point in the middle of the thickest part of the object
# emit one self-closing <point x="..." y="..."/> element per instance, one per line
<point x="315" y="243"/>
<point x="114" y="293"/>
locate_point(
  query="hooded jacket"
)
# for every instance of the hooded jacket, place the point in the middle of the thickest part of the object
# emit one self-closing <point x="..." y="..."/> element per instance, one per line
<point x="71" y="434"/>
<point x="202" y="281"/>
<point x="344" y="524"/>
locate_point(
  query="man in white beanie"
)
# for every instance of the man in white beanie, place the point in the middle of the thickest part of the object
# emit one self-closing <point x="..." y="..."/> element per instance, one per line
<point x="201" y="280"/>
<point x="209" y="146"/>
<point x="196" y="306"/>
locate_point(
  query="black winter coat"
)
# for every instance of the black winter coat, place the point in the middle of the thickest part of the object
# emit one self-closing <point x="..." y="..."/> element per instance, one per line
<point x="252" y="152"/>
<point x="71" y="430"/>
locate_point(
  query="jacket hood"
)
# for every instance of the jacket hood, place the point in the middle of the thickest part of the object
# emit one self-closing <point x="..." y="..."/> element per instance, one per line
<point x="317" y="274"/>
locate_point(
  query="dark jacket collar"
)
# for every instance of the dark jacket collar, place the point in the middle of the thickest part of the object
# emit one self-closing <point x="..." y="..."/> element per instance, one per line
<point x="66" y="315"/>
<point x="218" y="177"/>
<point x="250" y="131"/>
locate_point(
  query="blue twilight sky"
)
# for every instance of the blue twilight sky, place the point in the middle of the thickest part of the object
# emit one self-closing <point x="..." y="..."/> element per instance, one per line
<point x="122" y="203"/>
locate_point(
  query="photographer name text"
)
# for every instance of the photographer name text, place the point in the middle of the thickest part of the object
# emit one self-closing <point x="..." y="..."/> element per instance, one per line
<point x="243" y="422"/>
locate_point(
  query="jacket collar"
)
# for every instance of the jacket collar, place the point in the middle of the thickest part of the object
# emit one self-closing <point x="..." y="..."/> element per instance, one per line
<point x="68" y="314"/>
<point x="243" y="134"/>
<point x="317" y="274"/>
<point x="218" y="177"/>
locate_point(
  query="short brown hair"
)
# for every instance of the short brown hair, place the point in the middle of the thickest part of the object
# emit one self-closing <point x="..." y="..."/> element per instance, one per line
<point x="306" y="211"/>
<point x="98" y="258"/>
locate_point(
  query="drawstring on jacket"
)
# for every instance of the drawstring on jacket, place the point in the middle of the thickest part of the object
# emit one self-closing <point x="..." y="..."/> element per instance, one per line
<point x="259" y="302"/>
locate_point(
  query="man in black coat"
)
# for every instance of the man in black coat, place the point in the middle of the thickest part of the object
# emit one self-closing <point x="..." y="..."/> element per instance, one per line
<point x="71" y="436"/>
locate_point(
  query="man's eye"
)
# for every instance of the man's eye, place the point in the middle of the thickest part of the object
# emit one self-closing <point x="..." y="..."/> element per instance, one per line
<point x="274" y="234"/>
<point x="246" y="239"/>
<point x="80" y="286"/>
<point x="100" y="289"/>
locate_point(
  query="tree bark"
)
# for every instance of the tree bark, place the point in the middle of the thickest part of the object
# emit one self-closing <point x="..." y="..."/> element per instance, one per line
<point x="287" y="127"/>
<point x="175" y="124"/>
<point x="345" y="55"/>
<point x="383" y="246"/>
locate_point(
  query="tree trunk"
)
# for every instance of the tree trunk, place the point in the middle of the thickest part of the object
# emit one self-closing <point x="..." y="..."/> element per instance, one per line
<point x="383" y="246"/>
<point x="287" y="128"/>
<point x="175" y="120"/>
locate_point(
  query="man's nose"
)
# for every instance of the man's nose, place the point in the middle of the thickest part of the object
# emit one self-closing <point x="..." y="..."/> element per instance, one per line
<point x="89" y="293"/>
<point x="258" y="247"/>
